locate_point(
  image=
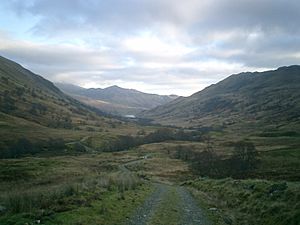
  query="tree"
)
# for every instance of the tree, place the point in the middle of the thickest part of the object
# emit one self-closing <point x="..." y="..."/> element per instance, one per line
<point x="7" y="102"/>
<point x="162" y="134"/>
<point x="21" y="147"/>
<point x="208" y="143"/>
<point x="56" y="144"/>
<point x="208" y="163"/>
<point x="244" y="156"/>
<point x="19" y="91"/>
<point x="78" y="147"/>
<point x="5" y="80"/>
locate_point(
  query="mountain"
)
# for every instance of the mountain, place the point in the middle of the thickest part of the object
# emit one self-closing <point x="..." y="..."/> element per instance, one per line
<point x="270" y="98"/>
<point x="30" y="104"/>
<point x="116" y="100"/>
<point x="31" y="97"/>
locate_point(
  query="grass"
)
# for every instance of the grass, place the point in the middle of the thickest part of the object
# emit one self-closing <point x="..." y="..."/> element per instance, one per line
<point x="279" y="157"/>
<point x="13" y="128"/>
<point x="60" y="189"/>
<point x="111" y="209"/>
<point x="159" y="166"/>
<point x="91" y="189"/>
<point x="84" y="207"/>
<point x="227" y="201"/>
<point x="281" y="164"/>
<point x="84" y="189"/>
<point x="34" y="172"/>
<point x="247" y="202"/>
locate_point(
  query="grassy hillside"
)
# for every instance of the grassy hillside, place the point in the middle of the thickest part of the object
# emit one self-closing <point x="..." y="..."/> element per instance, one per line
<point x="34" y="111"/>
<point x="266" y="100"/>
<point x="116" y="100"/>
<point x="29" y="96"/>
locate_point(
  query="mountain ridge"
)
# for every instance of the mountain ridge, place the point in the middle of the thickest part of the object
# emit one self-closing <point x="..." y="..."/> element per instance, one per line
<point x="115" y="99"/>
<point x="251" y="97"/>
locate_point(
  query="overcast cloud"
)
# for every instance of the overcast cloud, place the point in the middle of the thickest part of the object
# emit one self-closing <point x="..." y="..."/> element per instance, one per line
<point x="158" y="46"/>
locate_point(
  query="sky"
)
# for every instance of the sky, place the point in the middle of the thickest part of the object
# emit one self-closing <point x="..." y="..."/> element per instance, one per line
<point x="155" y="46"/>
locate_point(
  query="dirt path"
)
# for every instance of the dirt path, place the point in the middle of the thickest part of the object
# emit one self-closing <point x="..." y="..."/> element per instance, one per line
<point x="167" y="205"/>
<point x="123" y="167"/>
<point x="81" y="143"/>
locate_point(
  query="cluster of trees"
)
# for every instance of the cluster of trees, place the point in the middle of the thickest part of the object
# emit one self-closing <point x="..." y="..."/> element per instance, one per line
<point x="38" y="108"/>
<point x="207" y="163"/>
<point x="61" y="122"/>
<point x="10" y="101"/>
<point x="5" y="80"/>
<point x="164" y="134"/>
<point x="119" y="143"/>
<point x="7" y="103"/>
<point x="23" y="146"/>
<point x="8" y="98"/>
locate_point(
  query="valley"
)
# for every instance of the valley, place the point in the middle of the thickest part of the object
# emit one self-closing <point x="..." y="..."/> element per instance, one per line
<point x="229" y="154"/>
<point x="147" y="185"/>
<point x="116" y="100"/>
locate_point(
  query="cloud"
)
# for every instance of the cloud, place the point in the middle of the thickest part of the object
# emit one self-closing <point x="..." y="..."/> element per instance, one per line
<point x="168" y="46"/>
<point x="132" y="15"/>
<point x="51" y="59"/>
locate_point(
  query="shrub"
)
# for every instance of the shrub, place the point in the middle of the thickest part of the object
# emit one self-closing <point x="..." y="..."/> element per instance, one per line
<point x="56" y="144"/>
<point x="18" y="148"/>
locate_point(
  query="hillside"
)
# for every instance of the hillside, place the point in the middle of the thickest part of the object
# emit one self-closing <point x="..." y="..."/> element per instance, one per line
<point x="34" y="108"/>
<point x="270" y="98"/>
<point x="116" y="100"/>
<point x="31" y="97"/>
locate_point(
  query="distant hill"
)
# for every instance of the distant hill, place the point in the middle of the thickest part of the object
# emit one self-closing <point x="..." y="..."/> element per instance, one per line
<point x="116" y="100"/>
<point x="270" y="99"/>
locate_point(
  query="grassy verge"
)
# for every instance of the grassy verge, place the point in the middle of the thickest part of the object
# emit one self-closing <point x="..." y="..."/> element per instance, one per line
<point x="112" y="207"/>
<point x="86" y="189"/>
<point x="247" y="202"/>
<point x="72" y="206"/>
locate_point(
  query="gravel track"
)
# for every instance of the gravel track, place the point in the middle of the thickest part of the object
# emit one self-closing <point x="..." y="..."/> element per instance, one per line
<point x="144" y="213"/>
<point x="191" y="213"/>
